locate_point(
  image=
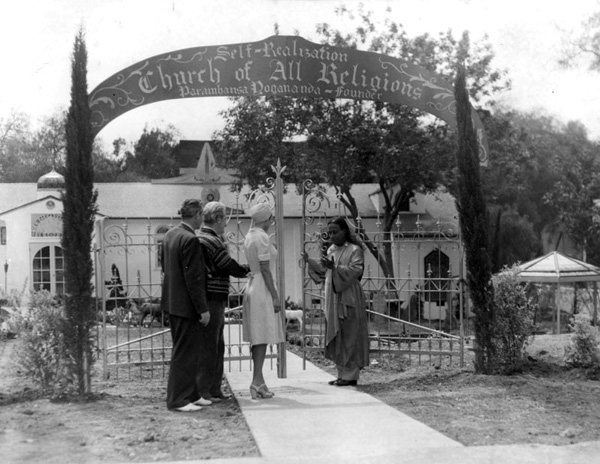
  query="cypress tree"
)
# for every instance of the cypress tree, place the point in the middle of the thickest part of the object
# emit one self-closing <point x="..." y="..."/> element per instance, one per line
<point x="473" y="220"/>
<point x="78" y="218"/>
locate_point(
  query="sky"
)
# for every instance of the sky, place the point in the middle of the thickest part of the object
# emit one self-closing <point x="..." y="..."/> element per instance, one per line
<point x="36" y="44"/>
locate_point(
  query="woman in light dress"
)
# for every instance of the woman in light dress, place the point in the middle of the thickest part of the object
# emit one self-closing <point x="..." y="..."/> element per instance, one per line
<point x="346" y="334"/>
<point x="262" y="324"/>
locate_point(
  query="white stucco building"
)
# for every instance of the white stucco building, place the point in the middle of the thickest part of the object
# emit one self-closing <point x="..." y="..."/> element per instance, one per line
<point x="133" y="217"/>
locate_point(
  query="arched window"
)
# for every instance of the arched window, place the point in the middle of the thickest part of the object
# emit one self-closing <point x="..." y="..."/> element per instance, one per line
<point x="48" y="268"/>
<point x="437" y="273"/>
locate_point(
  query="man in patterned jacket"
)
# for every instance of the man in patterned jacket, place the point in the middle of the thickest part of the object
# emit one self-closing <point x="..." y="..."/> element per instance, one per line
<point x="220" y="266"/>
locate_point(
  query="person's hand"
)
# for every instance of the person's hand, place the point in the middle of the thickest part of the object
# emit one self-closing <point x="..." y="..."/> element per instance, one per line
<point x="276" y="304"/>
<point x="327" y="262"/>
<point x="205" y="318"/>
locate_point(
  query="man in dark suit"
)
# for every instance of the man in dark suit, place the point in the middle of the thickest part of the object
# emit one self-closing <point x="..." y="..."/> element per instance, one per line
<point x="221" y="265"/>
<point x="184" y="299"/>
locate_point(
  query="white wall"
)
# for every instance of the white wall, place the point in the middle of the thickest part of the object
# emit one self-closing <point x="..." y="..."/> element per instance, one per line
<point x="21" y="246"/>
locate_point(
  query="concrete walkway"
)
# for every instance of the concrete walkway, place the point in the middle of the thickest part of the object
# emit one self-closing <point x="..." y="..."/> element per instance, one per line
<point x="309" y="421"/>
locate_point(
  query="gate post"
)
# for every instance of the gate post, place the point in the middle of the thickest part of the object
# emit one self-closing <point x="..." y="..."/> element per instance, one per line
<point x="279" y="227"/>
<point x="100" y="293"/>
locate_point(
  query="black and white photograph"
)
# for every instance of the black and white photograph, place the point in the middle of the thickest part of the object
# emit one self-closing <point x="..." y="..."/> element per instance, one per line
<point x="304" y="231"/>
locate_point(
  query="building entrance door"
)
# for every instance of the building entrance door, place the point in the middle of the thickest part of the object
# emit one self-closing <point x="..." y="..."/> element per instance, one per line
<point x="47" y="268"/>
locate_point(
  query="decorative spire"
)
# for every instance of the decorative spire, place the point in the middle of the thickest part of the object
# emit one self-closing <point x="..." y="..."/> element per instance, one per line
<point x="205" y="171"/>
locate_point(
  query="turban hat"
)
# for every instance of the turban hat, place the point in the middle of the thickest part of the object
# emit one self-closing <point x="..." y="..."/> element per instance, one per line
<point x="260" y="212"/>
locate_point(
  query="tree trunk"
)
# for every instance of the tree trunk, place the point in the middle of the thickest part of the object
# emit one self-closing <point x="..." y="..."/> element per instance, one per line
<point x="496" y="243"/>
<point x="350" y="203"/>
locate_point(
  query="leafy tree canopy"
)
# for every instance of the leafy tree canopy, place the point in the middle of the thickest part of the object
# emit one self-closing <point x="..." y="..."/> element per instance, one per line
<point x="26" y="154"/>
<point x="350" y="142"/>
<point x="542" y="174"/>
<point x="152" y="157"/>
<point x="576" y="187"/>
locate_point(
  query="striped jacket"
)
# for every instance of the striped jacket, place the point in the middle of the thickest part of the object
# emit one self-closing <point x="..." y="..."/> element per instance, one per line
<point x="220" y="265"/>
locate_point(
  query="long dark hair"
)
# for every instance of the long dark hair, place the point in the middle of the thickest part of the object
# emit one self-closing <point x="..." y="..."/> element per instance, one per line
<point x="351" y="237"/>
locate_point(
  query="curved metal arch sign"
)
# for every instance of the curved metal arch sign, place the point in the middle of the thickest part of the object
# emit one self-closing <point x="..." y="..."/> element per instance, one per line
<point x="277" y="65"/>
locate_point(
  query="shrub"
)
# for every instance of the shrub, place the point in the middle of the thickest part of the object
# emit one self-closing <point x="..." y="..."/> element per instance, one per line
<point x="41" y="354"/>
<point x="584" y="348"/>
<point x="17" y="321"/>
<point x="14" y="298"/>
<point x="513" y="320"/>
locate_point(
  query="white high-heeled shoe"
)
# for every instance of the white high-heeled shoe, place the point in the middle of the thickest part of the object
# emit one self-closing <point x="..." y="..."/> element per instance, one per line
<point x="260" y="392"/>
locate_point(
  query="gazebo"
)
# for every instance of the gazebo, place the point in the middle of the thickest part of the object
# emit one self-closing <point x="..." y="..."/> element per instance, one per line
<point x="559" y="269"/>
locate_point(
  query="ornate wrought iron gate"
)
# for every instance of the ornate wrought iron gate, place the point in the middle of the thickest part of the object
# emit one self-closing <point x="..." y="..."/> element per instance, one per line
<point x="418" y="308"/>
<point x="133" y="335"/>
<point x="418" y="311"/>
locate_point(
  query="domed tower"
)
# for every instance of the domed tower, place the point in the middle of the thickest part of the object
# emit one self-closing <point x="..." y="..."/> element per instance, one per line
<point x="52" y="183"/>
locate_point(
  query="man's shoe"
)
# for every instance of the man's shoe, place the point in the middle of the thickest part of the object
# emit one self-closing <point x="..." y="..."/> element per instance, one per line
<point x="202" y="402"/>
<point x="221" y="396"/>
<point x="334" y="382"/>
<point x="188" y="408"/>
<point x="346" y="383"/>
<point x="214" y="399"/>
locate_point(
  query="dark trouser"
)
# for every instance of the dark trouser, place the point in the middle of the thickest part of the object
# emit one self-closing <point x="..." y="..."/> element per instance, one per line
<point x="181" y="386"/>
<point x="210" y="371"/>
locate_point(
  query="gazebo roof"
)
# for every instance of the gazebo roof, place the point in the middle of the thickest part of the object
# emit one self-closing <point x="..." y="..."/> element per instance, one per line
<point x="557" y="268"/>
